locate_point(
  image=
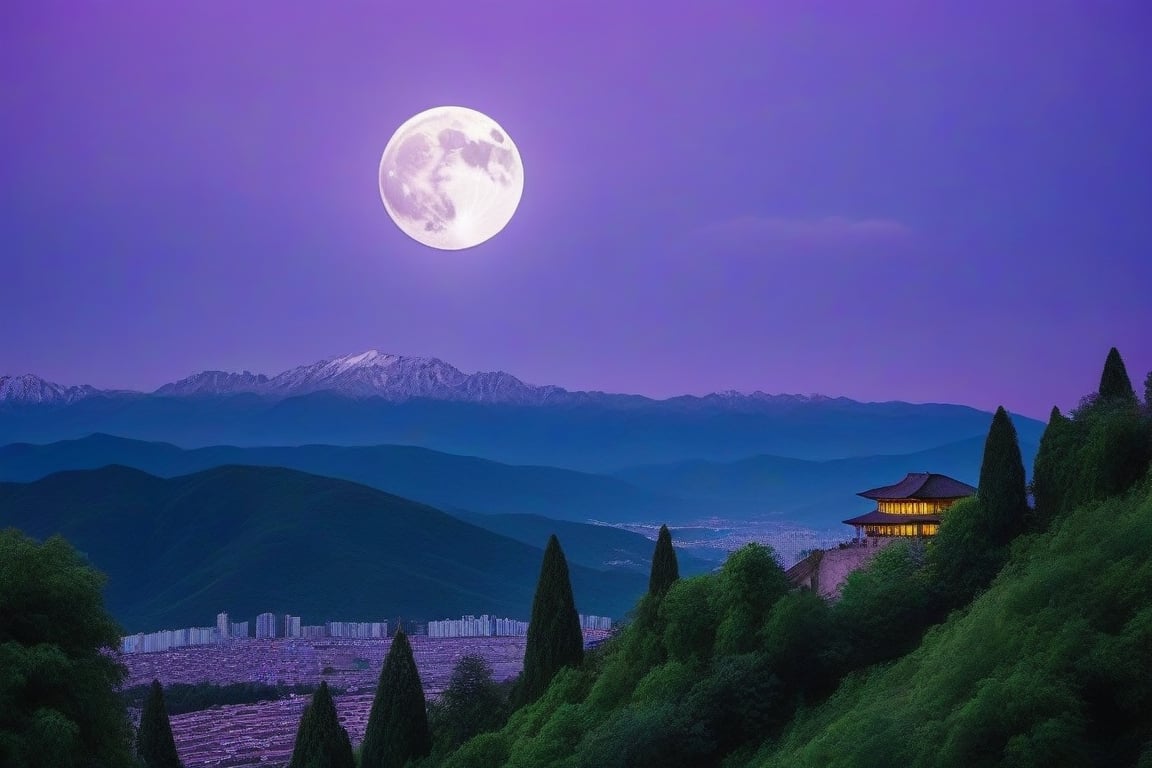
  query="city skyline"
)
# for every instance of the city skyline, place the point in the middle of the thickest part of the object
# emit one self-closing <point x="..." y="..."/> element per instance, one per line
<point x="274" y="626"/>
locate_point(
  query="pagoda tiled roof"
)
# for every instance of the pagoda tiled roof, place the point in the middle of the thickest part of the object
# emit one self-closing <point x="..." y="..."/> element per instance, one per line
<point x="922" y="485"/>
<point x="876" y="517"/>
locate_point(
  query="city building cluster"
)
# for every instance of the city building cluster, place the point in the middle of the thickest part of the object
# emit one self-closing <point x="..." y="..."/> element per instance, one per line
<point x="595" y="622"/>
<point x="166" y="639"/>
<point x="473" y="626"/>
<point x="271" y="625"/>
<point x="490" y="626"/>
<point x="268" y="625"/>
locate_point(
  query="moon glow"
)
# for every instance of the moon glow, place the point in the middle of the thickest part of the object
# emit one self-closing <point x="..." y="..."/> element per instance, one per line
<point x="451" y="178"/>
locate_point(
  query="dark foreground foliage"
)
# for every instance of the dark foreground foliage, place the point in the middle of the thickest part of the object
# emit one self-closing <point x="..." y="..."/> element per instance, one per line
<point x="154" y="743"/>
<point x="397" y="729"/>
<point x="321" y="742"/>
<point x="58" y="705"/>
<point x="555" y="640"/>
<point x="665" y="568"/>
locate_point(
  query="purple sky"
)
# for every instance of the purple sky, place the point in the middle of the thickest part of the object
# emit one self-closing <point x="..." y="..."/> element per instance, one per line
<point x="884" y="201"/>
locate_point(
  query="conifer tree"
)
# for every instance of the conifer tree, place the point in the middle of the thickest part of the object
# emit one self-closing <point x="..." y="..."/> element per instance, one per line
<point x="305" y="738"/>
<point x="1114" y="382"/>
<point x="1002" y="492"/>
<point x="154" y="742"/>
<point x="665" y="569"/>
<point x="397" y="729"/>
<point x="321" y="742"/>
<point x="1148" y="391"/>
<point x="472" y="703"/>
<point x="554" y="636"/>
<point x="1050" y="471"/>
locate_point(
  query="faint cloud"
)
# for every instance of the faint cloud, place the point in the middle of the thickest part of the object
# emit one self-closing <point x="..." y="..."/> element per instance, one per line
<point x="827" y="232"/>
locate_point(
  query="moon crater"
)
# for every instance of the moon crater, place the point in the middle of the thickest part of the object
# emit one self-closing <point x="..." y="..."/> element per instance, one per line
<point x="451" y="178"/>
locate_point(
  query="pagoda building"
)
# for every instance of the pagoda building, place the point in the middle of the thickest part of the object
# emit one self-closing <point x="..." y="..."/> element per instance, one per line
<point x="911" y="507"/>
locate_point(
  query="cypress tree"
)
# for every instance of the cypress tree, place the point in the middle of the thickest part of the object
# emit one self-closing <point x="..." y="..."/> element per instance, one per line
<point x="1114" y="382"/>
<point x="397" y="727"/>
<point x="554" y="636"/>
<point x="1050" y="471"/>
<point x="305" y="742"/>
<point x="665" y="568"/>
<point x="321" y="742"/>
<point x="154" y="742"/>
<point x="1002" y="492"/>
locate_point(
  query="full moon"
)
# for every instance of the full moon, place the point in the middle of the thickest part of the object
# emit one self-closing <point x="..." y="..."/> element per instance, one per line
<point x="451" y="178"/>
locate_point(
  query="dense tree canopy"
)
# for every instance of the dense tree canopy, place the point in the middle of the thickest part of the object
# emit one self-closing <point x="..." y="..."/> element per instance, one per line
<point x="58" y="705"/>
<point x="472" y="703"/>
<point x="1051" y="666"/>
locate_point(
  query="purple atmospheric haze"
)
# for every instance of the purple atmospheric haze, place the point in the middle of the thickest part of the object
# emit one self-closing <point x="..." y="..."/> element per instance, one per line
<point x="931" y="202"/>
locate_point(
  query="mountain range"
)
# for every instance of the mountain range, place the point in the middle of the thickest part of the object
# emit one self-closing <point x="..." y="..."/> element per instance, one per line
<point x="442" y="480"/>
<point x="375" y="399"/>
<point x="252" y="539"/>
<point x="370" y="374"/>
<point x="813" y="493"/>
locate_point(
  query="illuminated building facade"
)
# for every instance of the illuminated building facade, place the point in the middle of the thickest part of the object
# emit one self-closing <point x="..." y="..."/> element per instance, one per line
<point x="912" y="507"/>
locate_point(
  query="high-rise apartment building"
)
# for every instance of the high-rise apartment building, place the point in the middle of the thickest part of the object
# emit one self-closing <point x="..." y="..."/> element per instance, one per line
<point x="265" y="626"/>
<point x="222" y="625"/>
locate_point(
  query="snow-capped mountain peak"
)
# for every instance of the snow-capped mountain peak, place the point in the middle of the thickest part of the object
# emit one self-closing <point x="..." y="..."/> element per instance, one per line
<point x="215" y="383"/>
<point x="33" y="390"/>
<point x="369" y="374"/>
<point x="375" y="374"/>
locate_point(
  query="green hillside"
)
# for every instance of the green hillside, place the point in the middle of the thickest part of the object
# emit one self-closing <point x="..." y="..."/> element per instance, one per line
<point x="1051" y="666"/>
<point x="249" y="539"/>
<point x="1019" y="636"/>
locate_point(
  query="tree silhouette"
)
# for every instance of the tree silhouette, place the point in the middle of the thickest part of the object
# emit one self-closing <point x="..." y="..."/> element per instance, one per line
<point x="321" y="742"/>
<point x="554" y="636"/>
<point x="472" y="703"/>
<point x="1002" y="492"/>
<point x="665" y="569"/>
<point x="154" y="742"/>
<point x="1050" y="470"/>
<point x="1114" y="382"/>
<point x="397" y="729"/>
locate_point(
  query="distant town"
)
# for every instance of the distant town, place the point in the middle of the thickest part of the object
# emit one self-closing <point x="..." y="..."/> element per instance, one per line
<point x="271" y="626"/>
